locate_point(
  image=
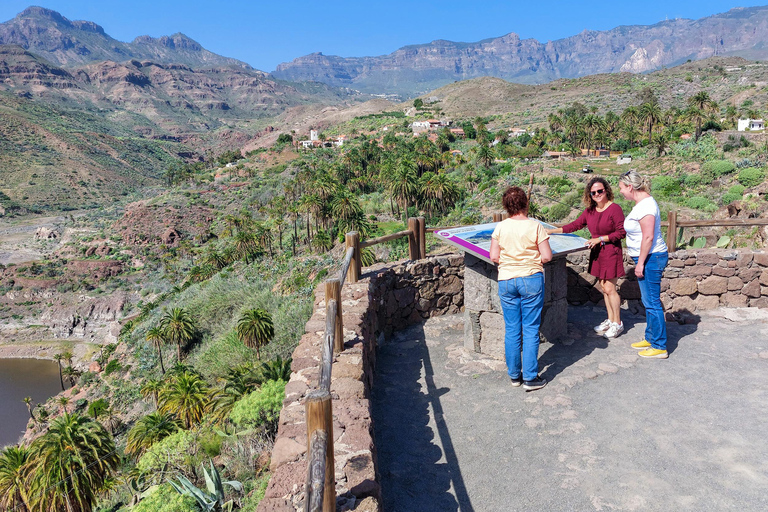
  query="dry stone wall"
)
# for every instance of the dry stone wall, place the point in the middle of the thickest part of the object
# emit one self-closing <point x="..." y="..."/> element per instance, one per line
<point x="388" y="298"/>
<point x="694" y="280"/>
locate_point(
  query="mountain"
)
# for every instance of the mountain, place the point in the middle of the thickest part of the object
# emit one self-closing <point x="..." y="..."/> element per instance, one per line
<point x="413" y="70"/>
<point x="73" y="43"/>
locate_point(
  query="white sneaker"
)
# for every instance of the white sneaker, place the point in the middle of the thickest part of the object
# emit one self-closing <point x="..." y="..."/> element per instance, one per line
<point x="600" y="329"/>
<point x="614" y="330"/>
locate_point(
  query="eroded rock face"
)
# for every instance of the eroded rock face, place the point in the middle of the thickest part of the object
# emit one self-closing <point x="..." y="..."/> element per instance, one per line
<point x="91" y="316"/>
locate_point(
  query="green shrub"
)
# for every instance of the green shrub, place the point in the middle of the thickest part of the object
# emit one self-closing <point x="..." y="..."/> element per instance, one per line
<point x="263" y="405"/>
<point x="692" y="180"/>
<point x="558" y="212"/>
<point x="164" y="499"/>
<point x="729" y="197"/>
<point x="173" y="451"/>
<point x="701" y="203"/>
<point x="715" y="169"/>
<point x="112" y="366"/>
<point x="665" y="185"/>
<point x="751" y="177"/>
<point x="737" y="189"/>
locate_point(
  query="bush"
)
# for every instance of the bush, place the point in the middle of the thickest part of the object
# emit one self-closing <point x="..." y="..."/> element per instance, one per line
<point x="261" y="406"/>
<point x="701" y="203"/>
<point x="558" y="212"/>
<point x="172" y="452"/>
<point x="666" y="185"/>
<point x="112" y="366"/>
<point x="621" y="145"/>
<point x="692" y="180"/>
<point x="737" y="189"/>
<point x="715" y="169"/>
<point x="164" y="498"/>
<point x="728" y="198"/>
<point x="751" y="177"/>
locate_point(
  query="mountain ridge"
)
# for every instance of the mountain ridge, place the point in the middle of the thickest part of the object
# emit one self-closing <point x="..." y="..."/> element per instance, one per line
<point x="414" y="69"/>
<point x="67" y="43"/>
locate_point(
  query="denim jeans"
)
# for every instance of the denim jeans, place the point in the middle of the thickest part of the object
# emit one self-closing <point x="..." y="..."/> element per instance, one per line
<point x="650" y="291"/>
<point x="522" y="299"/>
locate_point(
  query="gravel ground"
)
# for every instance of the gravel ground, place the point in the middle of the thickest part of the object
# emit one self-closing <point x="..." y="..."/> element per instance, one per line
<point x="611" y="431"/>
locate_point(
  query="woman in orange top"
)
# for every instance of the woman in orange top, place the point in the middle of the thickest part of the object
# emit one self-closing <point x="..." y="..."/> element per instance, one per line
<point x="520" y="247"/>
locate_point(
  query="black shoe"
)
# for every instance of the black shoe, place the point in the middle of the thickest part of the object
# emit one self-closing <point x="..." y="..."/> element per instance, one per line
<point x="517" y="382"/>
<point x="533" y="385"/>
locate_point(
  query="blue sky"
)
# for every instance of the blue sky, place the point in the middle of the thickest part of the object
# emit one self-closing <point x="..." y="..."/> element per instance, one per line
<point x="265" y="33"/>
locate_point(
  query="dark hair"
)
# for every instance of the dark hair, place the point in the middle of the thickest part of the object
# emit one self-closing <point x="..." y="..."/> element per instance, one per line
<point x="587" y="199"/>
<point x="515" y="201"/>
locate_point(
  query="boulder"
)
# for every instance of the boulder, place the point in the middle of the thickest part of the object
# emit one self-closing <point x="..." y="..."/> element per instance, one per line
<point x="713" y="285"/>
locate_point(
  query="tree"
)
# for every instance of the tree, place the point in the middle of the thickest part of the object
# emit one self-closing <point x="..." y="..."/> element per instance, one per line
<point x="486" y="154"/>
<point x="651" y="115"/>
<point x="72" y="374"/>
<point x="58" y="358"/>
<point x="151" y="387"/>
<point x="156" y="336"/>
<point x="418" y="103"/>
<point x="186" y="397"/>
<point x="98" y="408"/>
<point x="63" y="402"/>
<point x="701" y="105"/>
<point x="148" y="430"/>
<point x="28" y="403"/>
<point x="74" y="461"/>
<point x="255" y="329"/>
<point x="660" y="140"/>
<point x="178" y="327"/>
<point x="14" y="472"/>
<point x="403" y="185"/>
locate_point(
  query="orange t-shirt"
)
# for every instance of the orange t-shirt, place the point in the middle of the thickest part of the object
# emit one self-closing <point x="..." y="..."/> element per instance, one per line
<point x="519" y="242"/>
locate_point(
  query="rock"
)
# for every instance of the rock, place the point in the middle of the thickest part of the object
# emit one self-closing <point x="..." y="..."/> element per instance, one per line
<point x="697" y="270"/>
<point x="369" y="504"/>
<point x="450" y="285"/>
<point x="713" y="285"/>
<point x="723" y="271"/>
<point x="94" y="367"/>
<point x="683" y="286"/>
<point x="735" y="283"/>
<point x="761" y="259"/>
<point x="733" y="300"/>
<point x="707" y="258"/>
<point x="361" y="476"/>
<point x="285" y="450"/>
<point x="705" y="302"/>
<point x="764" y="278"/>
<point x="275" y="505"/>
<point x="683" y="304"/>
<point x="45" y="233"/>
<point x="170" y="236"/>
<point x="751" y="289"/>
<point x="748" y="274"/>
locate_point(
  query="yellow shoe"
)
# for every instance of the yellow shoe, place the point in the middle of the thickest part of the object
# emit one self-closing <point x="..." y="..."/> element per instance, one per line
<point x="641" y="344"/>
<point x="654" y="353"/>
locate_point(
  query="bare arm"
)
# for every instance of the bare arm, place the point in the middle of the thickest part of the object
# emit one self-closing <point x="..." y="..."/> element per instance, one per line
<point x="545" y="250"/>
<point x="646" y="242"/>
<point x="554" y="231"/>
<point x="496" y="250"/>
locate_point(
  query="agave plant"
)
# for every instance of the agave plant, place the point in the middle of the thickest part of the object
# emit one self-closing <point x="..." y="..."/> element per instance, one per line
<point x="211" y="499"/>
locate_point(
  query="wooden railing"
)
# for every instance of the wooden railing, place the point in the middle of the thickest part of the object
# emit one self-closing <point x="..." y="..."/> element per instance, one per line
<point x="320" y="484"/>
<point x="673" y="224"/>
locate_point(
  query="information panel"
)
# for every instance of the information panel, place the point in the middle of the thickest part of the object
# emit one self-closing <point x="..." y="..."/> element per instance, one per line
<point x="476" y="240"/>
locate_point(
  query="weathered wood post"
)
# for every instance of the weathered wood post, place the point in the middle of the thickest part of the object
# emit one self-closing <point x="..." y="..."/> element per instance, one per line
<point x="497" y="217"/>
<point x="672" y="231"/>
<point x="355" y="266"/>
<point x="530" y="187"/>
<point x="320" y="417"/>
<point x="422" y="237"/>
<point x="413" y="244"/>
<point x="333" y="292"/>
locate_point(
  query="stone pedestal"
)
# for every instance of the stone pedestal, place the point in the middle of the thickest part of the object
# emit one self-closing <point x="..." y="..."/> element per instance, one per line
<point x="483" y="318"/>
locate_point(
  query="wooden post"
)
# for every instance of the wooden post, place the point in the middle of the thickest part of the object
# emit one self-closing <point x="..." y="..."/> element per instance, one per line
<point x="413" y="244"/>
<point x="422" y="237"/>
<point x="333" y="292"/>
<point x="497" y="217"/>
<point x="320" y="417"/>
<point x="355" y="266"/>
<point x="672" y="231"/>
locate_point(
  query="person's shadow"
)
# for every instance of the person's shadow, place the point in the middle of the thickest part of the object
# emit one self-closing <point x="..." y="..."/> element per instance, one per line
<point x="415" y="473"/>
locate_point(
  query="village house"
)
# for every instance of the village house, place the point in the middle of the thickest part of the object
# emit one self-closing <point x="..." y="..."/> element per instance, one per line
<point x="457" y="132"/>
<point x="751" y="125"/>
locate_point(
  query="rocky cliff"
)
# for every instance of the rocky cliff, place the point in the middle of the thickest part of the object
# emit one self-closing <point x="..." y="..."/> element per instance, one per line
<point x="413" y="70"/>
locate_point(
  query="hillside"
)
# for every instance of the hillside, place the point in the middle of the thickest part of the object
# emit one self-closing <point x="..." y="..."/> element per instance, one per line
<point x="413" y="70"/>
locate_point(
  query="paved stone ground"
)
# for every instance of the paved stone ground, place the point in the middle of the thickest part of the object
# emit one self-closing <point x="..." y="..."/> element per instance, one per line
<point x="611" y="431"/>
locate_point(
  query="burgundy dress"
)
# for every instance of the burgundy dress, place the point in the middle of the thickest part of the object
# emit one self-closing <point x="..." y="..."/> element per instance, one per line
<point x="605" y="260"/>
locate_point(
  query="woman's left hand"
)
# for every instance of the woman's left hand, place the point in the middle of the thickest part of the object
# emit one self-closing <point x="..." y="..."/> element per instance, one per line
<point x="639" y="270"/>
<point x="592" y="242"/>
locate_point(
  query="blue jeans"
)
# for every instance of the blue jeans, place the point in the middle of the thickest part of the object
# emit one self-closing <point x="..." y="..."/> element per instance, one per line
<point x="650" y="291"/>
<point x="522" y="299"/>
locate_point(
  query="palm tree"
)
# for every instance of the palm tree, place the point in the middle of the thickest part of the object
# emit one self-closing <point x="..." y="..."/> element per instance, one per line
<point x="148" y="430"/>
<point x="186" y="397"/>
<point x="13" y="478"/>
<point x="277" y="369"/>
<point x="63" y="402"/>
<point x="486" y="154"/>
<point x="58" y="358"/>
<point x="74" y="461"/>
<point x="660" y="140"/>
<point x="255" y="329"/>
<point x="403" y="185"/>
<point x="71" y="374"/>
<point x="178" y="326"/>
<point x="151" y="387"/>
<point x="28" y="403"/>
<point x="651" y="115"/>
<point x="156" y="336"/>
<point x="705" y="105"/>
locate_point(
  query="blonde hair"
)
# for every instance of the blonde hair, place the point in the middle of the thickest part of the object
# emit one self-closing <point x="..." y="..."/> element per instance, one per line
<point x="635" y="180"/>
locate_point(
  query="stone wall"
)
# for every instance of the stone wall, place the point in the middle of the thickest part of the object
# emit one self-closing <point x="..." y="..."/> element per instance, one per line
<point x="387" y="298"/>
<point x="694" y="280"/>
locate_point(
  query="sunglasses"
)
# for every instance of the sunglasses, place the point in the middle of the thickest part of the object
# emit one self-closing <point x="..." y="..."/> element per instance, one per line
<point x="597" y="192"/>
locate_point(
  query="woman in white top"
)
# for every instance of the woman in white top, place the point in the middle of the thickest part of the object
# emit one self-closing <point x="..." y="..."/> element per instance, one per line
<point x="649" y="251"/>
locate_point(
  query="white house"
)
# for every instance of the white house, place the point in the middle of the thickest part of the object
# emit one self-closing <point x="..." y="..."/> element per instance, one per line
<point x="750" y="125"/>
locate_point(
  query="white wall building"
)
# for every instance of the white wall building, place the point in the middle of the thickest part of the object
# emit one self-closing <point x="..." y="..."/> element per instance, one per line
<point x="750" y="125"/>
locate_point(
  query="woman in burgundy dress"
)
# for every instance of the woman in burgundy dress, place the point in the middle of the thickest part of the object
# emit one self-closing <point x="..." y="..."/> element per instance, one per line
<point x="605" y="221"/>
